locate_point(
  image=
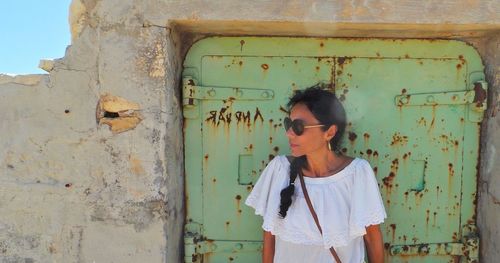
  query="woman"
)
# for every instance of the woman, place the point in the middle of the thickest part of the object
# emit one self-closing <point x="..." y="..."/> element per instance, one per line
<point x="343" y="191"/>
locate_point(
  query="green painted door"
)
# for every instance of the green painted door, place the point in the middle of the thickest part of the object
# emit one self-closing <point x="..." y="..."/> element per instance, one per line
<point x="414" y="108"/>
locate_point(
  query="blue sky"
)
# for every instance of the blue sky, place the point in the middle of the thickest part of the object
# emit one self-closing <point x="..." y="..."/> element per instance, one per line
<point x="31" y="30"/>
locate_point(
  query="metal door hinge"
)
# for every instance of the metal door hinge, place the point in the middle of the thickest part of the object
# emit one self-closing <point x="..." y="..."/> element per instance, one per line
<point x="194" y="250"/>
<point x="475" y="96"/>
<point x="194" y="92"/>
<point x="192" y="237"/>
<point x="468" y="249"/>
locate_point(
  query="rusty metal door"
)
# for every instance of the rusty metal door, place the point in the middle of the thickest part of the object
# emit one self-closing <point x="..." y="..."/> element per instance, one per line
<point x="413" y="106"/>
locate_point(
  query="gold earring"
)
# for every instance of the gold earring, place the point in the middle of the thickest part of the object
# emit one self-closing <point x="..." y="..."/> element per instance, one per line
<point x="329" y="146"/>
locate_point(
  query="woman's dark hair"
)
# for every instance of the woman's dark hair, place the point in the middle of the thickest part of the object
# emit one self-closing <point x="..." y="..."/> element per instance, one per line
<point x="328" y="110"/>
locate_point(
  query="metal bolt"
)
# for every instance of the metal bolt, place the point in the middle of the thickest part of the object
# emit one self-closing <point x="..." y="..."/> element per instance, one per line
<point x="238" y="246"/>
<point x="404" y="100"/>
<point x="265" y="94"/>
<point x="430" y="99"/>
<point x="211" y="93"/>
<point x="239" y="93"/>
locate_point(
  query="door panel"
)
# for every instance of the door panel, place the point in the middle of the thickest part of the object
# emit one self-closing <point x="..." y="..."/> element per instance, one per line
<point x="416" y="151"/>
<point x="413" y="114"/>
<point x="240" y="133"/>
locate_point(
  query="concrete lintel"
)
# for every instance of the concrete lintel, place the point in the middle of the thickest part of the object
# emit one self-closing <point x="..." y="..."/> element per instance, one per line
<point x="326" y="29"/>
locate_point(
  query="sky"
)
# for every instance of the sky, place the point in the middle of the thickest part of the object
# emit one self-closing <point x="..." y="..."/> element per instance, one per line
<point x="31" y="30"/>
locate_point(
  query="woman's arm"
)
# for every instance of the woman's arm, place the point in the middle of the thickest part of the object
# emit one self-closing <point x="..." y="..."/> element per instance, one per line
<point x="374" y="244"/>
<point x="268" y="250"/>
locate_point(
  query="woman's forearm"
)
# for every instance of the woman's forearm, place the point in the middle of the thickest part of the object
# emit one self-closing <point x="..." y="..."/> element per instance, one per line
<point x="268" y="249"/>
<point x="374" y="244"/>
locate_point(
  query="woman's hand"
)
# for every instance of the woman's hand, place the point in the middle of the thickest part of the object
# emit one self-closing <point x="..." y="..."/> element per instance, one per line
<point x="374" y="244"/>
<point x="268" y="250"/>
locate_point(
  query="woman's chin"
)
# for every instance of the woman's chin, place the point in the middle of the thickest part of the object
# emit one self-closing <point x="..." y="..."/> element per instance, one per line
<point x="296" y="153"/>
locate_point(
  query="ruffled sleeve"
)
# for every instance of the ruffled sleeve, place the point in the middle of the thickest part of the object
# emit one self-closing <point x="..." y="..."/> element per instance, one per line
<point x="367" y="205"/>
<point x="265" y="196"/>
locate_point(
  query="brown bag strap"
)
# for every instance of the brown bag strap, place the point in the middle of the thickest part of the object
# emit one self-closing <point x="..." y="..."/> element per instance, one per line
<point x="313" y="213"/>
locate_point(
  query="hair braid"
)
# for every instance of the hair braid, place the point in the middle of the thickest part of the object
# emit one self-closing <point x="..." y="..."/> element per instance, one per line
<point x="286" y="194"/>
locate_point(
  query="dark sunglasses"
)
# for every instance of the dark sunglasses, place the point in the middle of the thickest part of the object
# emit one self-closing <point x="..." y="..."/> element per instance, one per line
<point x="297" y="125"/>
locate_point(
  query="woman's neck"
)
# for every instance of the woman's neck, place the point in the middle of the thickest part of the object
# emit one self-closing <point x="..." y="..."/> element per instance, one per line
<point x="322" y="163"/>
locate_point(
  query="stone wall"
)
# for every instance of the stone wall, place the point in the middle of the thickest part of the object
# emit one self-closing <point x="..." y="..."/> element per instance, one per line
<point x="489" y="181"/>
<point x="91" y="154"/>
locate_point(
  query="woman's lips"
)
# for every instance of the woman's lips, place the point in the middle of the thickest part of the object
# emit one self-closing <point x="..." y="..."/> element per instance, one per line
<point x="293" y="145"/>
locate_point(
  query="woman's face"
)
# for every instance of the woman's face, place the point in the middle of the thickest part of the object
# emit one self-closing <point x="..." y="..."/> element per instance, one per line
<point x="313" y="139"/>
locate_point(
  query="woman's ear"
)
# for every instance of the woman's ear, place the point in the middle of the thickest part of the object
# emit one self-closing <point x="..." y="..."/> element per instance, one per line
<point x="330" y="133"/>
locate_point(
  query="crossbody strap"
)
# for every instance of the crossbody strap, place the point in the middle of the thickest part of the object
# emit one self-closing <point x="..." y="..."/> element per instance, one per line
<point x="313" y="213"/>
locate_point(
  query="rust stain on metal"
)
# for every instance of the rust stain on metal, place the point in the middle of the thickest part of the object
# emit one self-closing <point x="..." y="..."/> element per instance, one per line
<point x="343" y="61"/>
<point x="398" y="139"/>
<point x="388" y="180"/>
<point x="451" y="173"/>
<point x="434" y="215"/>
<point x="461" y="58"/>
<point x="352" y="136"/>
<point x="264" y="66"/>
<point x="238" y="203"/>
<point x="366" y="138"/>
<point x="393" y="227"/>
<point x="242" y="42"/>
<point x="427" y="217"/>
<point x="422" y="122"/>
<point x="480" y="95"/>
<point x="369" y="152"/>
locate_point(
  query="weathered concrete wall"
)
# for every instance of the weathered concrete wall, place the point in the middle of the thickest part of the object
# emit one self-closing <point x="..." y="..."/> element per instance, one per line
<point x="489" y="181"/>
<point x="71" y="190"/>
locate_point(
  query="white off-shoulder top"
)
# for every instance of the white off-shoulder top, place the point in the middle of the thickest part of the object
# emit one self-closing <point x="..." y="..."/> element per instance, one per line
<point x="345" y="203"/>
